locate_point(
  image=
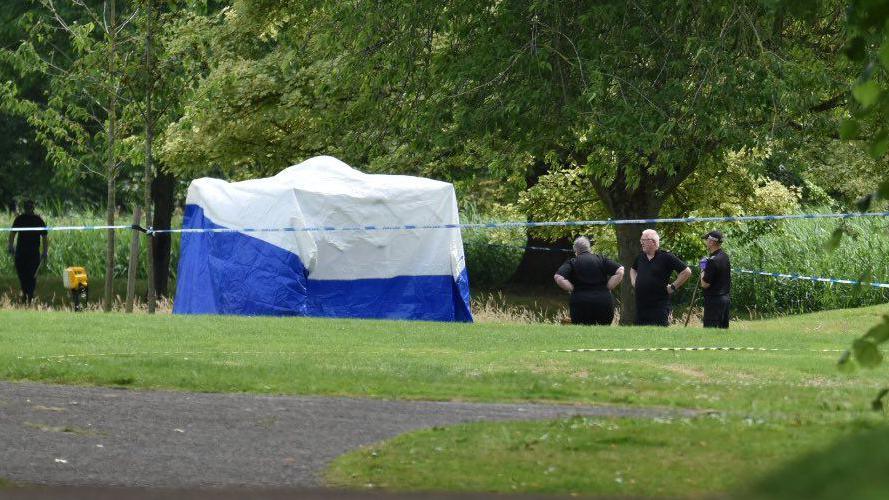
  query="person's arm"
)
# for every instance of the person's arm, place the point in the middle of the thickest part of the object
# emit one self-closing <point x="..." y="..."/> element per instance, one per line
<point x="633" y="277"/>
<point x="615" y="280"/>
<point x="563" y="283"/>
<point x="704" y="284"/>
<point x="704" y="264"/>
<point x="680" y="280"/>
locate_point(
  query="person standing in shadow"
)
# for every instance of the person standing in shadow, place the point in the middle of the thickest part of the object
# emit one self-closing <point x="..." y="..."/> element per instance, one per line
<point x="24" y="246"/>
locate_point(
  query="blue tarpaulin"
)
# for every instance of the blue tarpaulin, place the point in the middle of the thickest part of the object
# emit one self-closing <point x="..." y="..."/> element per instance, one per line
<point x="416" y="274"/>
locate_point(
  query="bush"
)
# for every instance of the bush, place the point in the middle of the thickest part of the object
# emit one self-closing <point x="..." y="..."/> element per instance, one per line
<point x="492" y="255"/>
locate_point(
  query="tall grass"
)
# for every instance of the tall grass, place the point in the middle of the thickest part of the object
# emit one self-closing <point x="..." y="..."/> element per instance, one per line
<point x="800" y="247"/>
<point x="85" y="248"/>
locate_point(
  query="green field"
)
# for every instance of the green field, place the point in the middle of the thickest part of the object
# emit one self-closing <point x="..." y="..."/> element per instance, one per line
<point x="762" y="408"/>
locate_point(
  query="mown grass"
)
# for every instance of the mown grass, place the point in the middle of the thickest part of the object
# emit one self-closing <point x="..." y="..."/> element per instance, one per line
<point x="764" y="408"/>
<point x="417" y="360"/>
<point x="676" y="458"/>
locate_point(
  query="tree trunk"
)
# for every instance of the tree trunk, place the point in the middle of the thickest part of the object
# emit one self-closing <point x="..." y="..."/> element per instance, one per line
<point x="149" y="142"/>
<point x="111" y="167"/>
<point x="162" y="194"/>
<point x="538" y="266"/>
<point x="625" y="202"/>
<point x="627" y="249"/>
<point x="133" y="264"/>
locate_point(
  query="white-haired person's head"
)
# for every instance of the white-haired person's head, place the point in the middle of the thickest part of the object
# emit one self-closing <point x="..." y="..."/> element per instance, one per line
<point x="581" y="244"/>
<point x="650" y="241"/>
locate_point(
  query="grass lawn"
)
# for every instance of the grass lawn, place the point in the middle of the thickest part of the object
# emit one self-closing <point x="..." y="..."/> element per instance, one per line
<point x="768" y="407"/>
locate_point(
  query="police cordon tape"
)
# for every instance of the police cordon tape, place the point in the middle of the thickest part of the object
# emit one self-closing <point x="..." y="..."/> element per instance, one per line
<point x="814" y="278"/>
<point x="482" y="225"/>
<point x="62" y="357"/>
<point x="792" y="276"/>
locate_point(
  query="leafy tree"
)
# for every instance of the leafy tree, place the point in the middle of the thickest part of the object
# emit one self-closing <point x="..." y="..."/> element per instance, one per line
<point x="868" y="45"/>
<point x="78" y="125"/>
<point x="634" y="96"/>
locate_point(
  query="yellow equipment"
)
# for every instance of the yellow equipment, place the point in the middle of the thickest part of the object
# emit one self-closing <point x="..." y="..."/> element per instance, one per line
<point x="76" y="280"/>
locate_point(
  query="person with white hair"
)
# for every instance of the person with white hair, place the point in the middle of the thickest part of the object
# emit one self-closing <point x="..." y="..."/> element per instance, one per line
<point x="650" y="277"/>
<point x="589" y="278"/>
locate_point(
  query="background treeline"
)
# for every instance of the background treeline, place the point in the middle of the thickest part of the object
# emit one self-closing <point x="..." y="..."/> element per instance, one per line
<point x="535" y="110"/>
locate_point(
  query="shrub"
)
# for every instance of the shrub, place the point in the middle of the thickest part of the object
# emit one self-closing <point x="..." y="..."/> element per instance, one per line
<point x="492" y="255"/>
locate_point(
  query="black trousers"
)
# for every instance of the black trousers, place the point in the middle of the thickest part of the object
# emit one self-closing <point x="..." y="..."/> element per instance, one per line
<point x="653" y="314"/>
<point x="26" y="267"/>
<point x="595" y="308"/>
<point x="716" y="309"/>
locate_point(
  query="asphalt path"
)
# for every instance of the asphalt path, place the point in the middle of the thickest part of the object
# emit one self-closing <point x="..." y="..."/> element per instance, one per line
<point x="52" y="435"/>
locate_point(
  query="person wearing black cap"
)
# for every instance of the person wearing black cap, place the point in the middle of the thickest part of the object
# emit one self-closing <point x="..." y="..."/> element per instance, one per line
<point x="716" y="281"/>
<point x="589" y="278"/>
<point x="27" y="249"/>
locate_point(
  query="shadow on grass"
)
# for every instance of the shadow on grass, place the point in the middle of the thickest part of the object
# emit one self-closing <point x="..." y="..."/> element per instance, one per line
<point x="853" y="467"/>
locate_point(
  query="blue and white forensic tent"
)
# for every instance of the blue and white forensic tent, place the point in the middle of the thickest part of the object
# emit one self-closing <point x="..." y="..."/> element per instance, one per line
<point x="415" y="274"/>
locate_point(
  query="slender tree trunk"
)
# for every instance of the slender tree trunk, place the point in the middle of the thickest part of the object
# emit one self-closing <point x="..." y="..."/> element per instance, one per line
<point x="162" y="193"/>
<point x="149" y="141"/>
<point x="133" y="264"/>
<point x="111" y="167"/>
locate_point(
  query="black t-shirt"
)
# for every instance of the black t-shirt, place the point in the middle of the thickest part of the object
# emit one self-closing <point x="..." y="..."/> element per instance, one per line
<point x="28" y="242"/>
<point x="718" y="273"/>
<point x="589" y="273"/>
<point x="653" y="275"/>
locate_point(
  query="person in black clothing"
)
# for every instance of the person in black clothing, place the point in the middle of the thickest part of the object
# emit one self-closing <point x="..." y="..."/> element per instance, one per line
<point x="650" y="277"/>
<point x="716" y="281"/>
<point x="590" y="278"/>
<point x="27" y="250"/>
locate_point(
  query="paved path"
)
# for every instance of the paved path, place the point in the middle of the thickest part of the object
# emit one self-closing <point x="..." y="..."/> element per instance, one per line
<point x="91" y="436"/>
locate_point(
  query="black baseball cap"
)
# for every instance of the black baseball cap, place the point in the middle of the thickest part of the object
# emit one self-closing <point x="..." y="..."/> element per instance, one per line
<point x="716" y="235"/>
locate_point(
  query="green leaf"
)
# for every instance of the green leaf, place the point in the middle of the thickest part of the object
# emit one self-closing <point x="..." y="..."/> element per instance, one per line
<point x="884" y="54"/>
<point x="879" y="333"/>
<point x="834" y="240"/>
<point x="849" y="129"/>
<point x="879" y="145"/>
<point x="883" y="190"/>
<point x="866" y="353"/>
<point x="856" y="49"/>
<point x="863" y="204"/>
<point x="877" y="403"/>
<point x="866" y="93"/>
<point x="845" y="364"/>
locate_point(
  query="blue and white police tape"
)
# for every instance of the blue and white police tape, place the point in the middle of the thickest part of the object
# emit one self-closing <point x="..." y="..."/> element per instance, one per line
<point x="61" y="228"/>
<point x="815" y="279"/>
<point x="501" y="225"/>
<point x="483" y="225"/>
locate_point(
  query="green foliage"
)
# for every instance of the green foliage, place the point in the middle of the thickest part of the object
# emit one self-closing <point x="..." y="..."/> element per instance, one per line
<point x="85" y="248"/>
<point x="491" y="255"/>
<point x="797" y="247"/>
